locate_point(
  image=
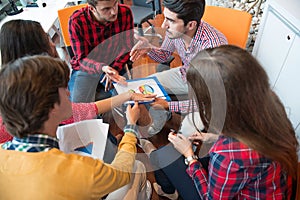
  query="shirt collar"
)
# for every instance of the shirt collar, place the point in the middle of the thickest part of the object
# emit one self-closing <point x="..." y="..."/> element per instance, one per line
<point x="32" y="143"/>
<point x="196" y="39"/>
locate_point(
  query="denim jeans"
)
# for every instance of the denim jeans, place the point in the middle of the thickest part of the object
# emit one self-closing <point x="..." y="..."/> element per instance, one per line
<point x="82" y="86"/>
<point x="170" y="173"/>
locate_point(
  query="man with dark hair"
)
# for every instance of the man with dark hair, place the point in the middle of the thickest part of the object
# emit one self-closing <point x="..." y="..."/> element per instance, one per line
<point x="185" y="33"/>
<point x="101" y="37"/>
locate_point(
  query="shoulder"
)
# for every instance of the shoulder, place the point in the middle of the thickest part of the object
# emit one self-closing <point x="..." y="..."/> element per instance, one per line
<point x="236" y="151"/>
<point x="205" y="30"/>
<point x="80" y="15"/>
<point x="124" y="9"/>
<point x="80" y="159"/>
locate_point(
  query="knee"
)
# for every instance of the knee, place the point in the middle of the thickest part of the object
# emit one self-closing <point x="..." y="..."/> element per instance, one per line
<point x="139" y="167"/>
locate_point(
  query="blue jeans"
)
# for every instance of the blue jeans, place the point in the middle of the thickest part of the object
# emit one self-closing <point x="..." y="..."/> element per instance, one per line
<point x="170" y="173"/>
<point x="83" y="87"/>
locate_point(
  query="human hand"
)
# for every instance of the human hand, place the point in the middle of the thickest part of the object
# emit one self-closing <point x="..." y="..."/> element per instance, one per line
<point x="132" y="113"/>
<point x="142" y="97"/>
<point x="181" y="144"/>
<point x="204" y="137"/>
<point x="112" y="75"/>
<point x="140" y="48"/>
<point x="160" y="104"/>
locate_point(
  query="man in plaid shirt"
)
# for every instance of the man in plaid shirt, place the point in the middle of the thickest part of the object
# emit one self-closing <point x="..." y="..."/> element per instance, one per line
<point x="186" y="34"/>
<point x="101" y="36"/>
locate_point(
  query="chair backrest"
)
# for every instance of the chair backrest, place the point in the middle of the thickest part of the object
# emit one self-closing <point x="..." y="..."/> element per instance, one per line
<point x="63" y="17"/>
<point x="143" y="3"/>
<point x="234" y="24"/>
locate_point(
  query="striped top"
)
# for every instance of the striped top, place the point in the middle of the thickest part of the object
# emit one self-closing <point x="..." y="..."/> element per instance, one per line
<point x="205" y="37"/>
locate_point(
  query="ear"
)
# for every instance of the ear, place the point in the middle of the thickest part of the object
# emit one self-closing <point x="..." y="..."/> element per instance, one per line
<point x="191" y="25"/>
<point x="91" y="8"/>
<point x="54" y="111"/>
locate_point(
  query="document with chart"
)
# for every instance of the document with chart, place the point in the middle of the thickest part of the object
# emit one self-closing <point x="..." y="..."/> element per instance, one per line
<point x="149" y="85"/>
<point x="86" y="138"/>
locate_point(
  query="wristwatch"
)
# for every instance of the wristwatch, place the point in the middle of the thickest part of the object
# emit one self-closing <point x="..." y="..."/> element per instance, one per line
<point x="190" y="158"/>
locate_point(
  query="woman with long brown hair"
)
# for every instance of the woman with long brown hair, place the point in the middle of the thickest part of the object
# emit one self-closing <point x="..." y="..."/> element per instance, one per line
<point x="256" y="155"/>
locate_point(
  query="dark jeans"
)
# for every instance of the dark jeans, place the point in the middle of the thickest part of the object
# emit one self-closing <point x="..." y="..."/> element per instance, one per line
<point x="111" y="148"/>
<point x="171" y="173"/>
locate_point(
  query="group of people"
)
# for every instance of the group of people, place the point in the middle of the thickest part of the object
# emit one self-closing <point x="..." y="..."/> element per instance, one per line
<point x="254" y="152"/>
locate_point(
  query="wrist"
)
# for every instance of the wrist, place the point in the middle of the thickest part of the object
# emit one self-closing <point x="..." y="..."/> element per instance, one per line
<point x="131" y="128"/>
<point x="190" y="159"/>
<point x="104" y="68"/>
<point x="130" y="94"/>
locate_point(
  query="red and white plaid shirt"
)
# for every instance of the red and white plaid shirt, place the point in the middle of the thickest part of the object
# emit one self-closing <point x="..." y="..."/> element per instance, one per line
<point x="205" y="37"/>
<point x="237" y="172"/>
<point x="96" y="45"/>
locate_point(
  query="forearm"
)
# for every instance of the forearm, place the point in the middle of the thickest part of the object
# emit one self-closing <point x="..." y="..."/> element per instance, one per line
<point x="108" y="104"/>
<point x="164" y="52"/>
<point x="117" y="174"/>
<point x="159" y="55"/>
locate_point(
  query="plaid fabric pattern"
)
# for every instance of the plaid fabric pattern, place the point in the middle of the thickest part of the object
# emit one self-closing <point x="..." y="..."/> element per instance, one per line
<point x="182" y="106"/>
<point x="130" y="128"/>
<point x="237" y="172"/>
<point x="96" y="45"/>
<point x="205" y="37"/>
<point x="32" y="143"/>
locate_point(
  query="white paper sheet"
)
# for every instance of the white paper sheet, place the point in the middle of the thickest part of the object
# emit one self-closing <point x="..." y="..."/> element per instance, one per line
<point x="85" y="138"/>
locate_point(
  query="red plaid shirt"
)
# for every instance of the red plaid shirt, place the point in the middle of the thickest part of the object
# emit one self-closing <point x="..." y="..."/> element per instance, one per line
<point x="237" y="172"/>
<point x="81" y="111"/>
<point x="96" y="45"/>
<point x="205" y="37"/>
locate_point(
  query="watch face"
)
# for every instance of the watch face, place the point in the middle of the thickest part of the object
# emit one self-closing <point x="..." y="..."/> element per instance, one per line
<point x="186" y="162"/>
<point x="189" y="159"/>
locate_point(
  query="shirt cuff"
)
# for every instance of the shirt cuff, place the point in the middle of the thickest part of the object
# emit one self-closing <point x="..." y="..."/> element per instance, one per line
<point x="130" y="128"/>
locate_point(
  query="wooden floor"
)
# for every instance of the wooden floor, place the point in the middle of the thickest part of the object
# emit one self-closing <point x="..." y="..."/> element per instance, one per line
<point x="141" y="68"/>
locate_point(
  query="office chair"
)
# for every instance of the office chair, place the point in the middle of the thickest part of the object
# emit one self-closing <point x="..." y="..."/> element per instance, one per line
<point x="234" y="24"/>
<point x="63" y="17"/>
<point x="143" y="11"/>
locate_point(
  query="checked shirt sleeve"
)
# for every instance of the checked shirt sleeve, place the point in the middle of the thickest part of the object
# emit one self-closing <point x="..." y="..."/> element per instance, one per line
<point x="164" y="52"/>
<point x="126" y="42"/>
<point x="182" y="106"/>
<point x="80" y="42"/>
<point x="224" y="180"/>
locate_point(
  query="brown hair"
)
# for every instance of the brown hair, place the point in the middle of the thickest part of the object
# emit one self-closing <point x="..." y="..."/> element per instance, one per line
<point x="29" y="89"/>
<point x="20" y="38"/>
<point x="229" y="81"/>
